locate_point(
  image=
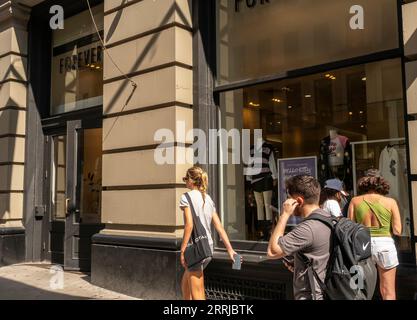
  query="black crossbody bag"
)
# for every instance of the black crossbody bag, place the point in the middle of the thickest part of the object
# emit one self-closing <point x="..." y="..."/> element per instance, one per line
<point x="198" y="248"/>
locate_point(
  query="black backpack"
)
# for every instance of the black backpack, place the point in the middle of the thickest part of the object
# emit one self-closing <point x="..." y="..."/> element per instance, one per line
<point x="351" y="273"/>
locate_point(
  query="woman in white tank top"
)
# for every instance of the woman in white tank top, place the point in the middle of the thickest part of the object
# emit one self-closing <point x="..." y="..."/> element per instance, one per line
<point x="193" y="279"/>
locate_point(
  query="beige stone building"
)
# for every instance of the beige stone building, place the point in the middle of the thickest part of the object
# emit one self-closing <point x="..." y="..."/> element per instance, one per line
<point x="332" y="87"/>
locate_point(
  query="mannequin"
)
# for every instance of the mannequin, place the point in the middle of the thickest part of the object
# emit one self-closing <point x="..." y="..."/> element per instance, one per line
<point x="336" y="158"/>
<point x="262" y="185"/>
<point x="336" y="149"/>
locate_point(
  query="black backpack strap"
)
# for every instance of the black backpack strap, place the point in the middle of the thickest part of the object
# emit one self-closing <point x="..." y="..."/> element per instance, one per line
<point x="328" y="221"/>
<point x="193" y="215"/>
<point x="198" y="228"/>
<point x="312" y="274"/>
<point x="190" y="203"/>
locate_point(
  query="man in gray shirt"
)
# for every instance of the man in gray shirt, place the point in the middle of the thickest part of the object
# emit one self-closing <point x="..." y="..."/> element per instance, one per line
<point x="310" y="238"/>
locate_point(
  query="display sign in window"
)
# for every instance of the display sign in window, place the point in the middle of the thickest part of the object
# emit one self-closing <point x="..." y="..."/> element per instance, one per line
<point x="77" y="64"/>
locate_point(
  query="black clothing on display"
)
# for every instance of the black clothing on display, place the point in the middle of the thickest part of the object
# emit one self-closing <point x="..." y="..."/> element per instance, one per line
<point x="334" y="164"/>
<point x="264" y="168"/>
<point x="261" y="175"/>
<point x="263" y="185"/>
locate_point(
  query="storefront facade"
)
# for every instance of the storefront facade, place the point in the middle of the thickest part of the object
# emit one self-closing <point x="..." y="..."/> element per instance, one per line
<point x="79" y="183"/>
<point x="323" y="110"/>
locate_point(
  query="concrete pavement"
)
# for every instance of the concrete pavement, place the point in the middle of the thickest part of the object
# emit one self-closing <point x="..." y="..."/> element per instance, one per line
<point x="39" y="282"/>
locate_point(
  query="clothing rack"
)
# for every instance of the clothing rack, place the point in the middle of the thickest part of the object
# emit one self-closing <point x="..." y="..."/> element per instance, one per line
<point x="399" y="141"/>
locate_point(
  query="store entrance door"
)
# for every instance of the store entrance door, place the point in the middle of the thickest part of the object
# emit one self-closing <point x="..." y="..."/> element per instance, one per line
<point x="74" y="206"/>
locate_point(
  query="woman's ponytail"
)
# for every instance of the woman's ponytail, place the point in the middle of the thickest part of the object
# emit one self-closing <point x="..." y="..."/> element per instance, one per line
<point x="199" y="178"/>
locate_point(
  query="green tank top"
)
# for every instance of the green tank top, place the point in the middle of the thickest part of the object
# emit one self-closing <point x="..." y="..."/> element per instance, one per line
<point x="383" y="215"/>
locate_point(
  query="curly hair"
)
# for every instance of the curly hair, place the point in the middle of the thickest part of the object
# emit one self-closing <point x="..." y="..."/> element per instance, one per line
<point x="373" y="181"/>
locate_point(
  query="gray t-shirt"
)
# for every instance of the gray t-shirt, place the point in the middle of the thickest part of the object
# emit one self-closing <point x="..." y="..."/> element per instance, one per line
<point x="311" y="238"/>
<point x="204" y="210"/>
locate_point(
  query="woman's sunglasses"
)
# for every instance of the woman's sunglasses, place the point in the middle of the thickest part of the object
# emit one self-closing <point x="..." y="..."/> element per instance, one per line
<point x="185" y="179"/>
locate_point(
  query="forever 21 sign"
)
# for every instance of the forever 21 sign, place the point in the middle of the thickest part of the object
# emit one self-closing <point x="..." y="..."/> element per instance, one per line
<point x="249" y="3"/>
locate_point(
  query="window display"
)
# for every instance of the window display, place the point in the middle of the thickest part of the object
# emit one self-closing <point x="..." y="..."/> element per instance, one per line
<point x="336" y="159"/>
<point x="262" y="185"/>
<point x="77" y="64"/>
<point x="325" y="124"/>
<point x="389" y="157"/>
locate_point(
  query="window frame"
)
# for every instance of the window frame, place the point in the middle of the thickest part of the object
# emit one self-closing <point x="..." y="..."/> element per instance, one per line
<point x="40" y="60"/>
<point x="205" y="27"/>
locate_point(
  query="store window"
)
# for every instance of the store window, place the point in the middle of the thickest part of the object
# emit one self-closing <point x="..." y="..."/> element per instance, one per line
<point x="77" y="64"/>
<point x="91" y="157"/>
<point x="335" y="124"/>
<point x="257" y="37"/>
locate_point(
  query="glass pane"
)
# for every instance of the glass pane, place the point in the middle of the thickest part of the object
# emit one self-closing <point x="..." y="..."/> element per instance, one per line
<point x="58" y="177"/>
<point x="315" y="119"/>
<point x="77" y="64"/>
<point x="91" y="165"/>
<point x="270" y="37"/>
<point x="390" y="159"/>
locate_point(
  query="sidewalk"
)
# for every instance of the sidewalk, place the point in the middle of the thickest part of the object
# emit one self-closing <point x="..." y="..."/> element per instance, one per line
<point x="36" y="282"/>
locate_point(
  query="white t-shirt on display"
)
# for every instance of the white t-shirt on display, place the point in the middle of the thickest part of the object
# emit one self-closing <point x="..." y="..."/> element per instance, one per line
<point x="392" y="169"/>
<point x="205" y="213"/>
<point x="332" y="207"/>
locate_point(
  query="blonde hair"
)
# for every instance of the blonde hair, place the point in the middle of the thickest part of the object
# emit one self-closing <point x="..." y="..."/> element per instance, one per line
<point x="199" y="178"/>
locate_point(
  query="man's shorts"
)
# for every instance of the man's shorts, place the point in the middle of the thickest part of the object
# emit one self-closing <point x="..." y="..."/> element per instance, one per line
<point x="384" y="252"/>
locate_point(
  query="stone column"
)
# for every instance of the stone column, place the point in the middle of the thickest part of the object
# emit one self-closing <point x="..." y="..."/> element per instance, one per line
<point x="13" y="89"/>
<point x="151" y="42"/>
<point x="410" y="52"/>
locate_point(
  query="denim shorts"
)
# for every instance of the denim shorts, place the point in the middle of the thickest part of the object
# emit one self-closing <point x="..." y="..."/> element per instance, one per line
<point x="201" y="266"/>
<point x="384" y="252"/>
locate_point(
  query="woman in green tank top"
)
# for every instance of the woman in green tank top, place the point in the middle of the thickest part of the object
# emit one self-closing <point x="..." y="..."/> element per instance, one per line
<point x="381" y="215"/>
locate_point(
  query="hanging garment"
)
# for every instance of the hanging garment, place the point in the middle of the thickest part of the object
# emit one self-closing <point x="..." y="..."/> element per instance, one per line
<point x="335" y="160"/>
<point x="267" y="168"/>
<point x="392" y="169"/>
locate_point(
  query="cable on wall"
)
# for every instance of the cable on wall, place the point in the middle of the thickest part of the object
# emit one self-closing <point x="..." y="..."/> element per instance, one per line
<point x="132" y="82"/>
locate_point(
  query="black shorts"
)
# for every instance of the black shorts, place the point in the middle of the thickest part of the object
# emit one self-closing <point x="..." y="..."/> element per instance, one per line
<point x="201" y="266"/>
<point x="266" y="184"/>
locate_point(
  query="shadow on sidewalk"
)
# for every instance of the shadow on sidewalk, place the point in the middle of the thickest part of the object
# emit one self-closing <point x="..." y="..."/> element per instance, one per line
<point x="14" y="290"/>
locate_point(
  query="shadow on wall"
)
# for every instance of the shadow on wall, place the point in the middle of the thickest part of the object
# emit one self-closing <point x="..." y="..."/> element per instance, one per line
<point x="410" y="46"/>
<point x="174" y="9"/>
<point x="115" y="22"/>
<point x="9" y="124"/>
<point x="8" y="121"/>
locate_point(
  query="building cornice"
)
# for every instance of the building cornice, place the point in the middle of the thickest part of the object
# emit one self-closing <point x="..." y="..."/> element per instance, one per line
<point x="14" y="14"/>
